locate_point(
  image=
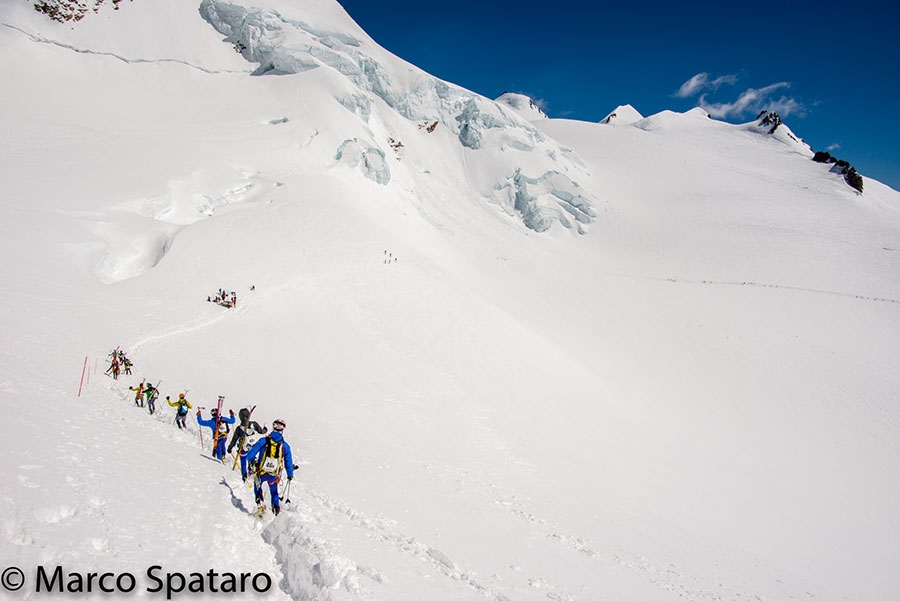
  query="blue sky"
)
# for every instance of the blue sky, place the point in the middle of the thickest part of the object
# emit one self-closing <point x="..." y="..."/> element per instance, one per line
<point x="831" y="69"/>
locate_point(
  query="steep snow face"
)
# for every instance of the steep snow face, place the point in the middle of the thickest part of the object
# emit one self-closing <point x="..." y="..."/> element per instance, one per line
<point x="622" y="115"/>
<point x="508" y="146"/>
<point x="524" y="106"/>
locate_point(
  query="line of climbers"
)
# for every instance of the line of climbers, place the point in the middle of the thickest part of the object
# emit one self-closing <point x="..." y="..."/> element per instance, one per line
<point x="117" y="362"/>
<point x="263" y="456"/>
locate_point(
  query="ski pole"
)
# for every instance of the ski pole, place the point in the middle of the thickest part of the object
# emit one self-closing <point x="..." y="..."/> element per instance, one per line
<point x="287" y="493"/>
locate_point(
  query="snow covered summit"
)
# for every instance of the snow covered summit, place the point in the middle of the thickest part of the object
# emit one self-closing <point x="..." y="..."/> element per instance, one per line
<point x="623" y="115"/>
<point x="523" y="105"/>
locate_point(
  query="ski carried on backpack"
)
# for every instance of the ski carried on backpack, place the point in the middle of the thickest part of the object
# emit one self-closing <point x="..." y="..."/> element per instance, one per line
<point x="216" y="425"/>
<point x="156" y="392"/>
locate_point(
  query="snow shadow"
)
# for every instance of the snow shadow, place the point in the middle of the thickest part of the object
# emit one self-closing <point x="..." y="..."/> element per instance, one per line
<point x="235" y="499"/>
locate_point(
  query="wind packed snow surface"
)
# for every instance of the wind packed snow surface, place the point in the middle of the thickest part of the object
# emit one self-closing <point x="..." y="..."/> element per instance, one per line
<point x="651" y="358"/>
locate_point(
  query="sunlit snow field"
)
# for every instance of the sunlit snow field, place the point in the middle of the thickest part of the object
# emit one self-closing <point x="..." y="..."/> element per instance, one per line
<point x="518" y="357"/>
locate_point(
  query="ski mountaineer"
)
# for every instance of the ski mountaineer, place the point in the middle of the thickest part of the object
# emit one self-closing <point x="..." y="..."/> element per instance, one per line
<point x="113" y="363"/>
<point x="270" y="454"/>
<point x="182" y="405"/>
<point x="248" y="439"/>
<point x="242" y="429"/>
<point x="138" y="394"/>
<point x="152" y="393"/>
<point x="219" y="426"/>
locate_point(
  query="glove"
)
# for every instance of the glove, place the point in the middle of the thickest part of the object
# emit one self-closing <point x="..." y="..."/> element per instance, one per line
<point x="198" y="413"/>
<point x="231" y="411"/>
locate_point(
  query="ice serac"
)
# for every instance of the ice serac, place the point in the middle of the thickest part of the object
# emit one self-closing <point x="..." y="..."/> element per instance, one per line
<point x="383" y="88"/>
<point x="545" y="200"/>
<point x="368" y="159"/>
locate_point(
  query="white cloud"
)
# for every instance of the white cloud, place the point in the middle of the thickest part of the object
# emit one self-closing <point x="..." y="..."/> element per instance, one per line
<point x="835" y="146"/>
<point x="692" y="86"/>
<point x="754" y="100"/>
<point x="785" y="107"/>
<point x="701" y="82"/>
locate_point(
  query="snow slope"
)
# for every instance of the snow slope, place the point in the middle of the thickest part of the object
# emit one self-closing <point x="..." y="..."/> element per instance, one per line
<point x="650" y="361"/>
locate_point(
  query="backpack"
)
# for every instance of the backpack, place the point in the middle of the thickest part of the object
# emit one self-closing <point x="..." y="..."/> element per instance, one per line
<point x="270" y="462"/>
<point x="182" y="409"/>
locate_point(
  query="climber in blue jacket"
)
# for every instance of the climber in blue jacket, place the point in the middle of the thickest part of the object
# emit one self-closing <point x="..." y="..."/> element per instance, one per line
<point x="219" y="426"/>
<point x="270" y="455"/>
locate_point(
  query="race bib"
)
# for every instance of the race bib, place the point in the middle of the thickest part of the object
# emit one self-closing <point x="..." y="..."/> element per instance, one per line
<point x="270" y="465"/>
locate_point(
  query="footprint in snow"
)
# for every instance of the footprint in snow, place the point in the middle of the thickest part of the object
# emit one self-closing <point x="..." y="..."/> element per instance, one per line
<point x="55" y="515"/>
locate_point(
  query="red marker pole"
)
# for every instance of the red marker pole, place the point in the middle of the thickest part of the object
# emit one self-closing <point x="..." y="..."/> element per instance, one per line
<point x="83" y="369"/>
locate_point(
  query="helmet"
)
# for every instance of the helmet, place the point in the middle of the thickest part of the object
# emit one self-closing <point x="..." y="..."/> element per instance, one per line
<point x="214" y="411"/>
<point x="278" y="425"/>
<point x="181" y="395"/>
